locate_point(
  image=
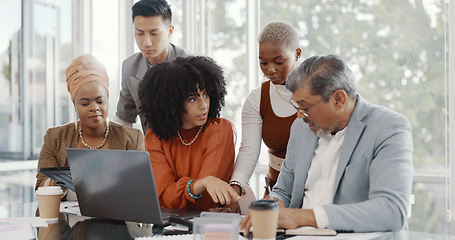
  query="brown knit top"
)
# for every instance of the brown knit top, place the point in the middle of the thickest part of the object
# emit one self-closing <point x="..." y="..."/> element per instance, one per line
<point x="275" y="130"/>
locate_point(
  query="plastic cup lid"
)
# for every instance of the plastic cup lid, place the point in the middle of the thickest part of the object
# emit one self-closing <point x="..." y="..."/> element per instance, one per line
<point x="51" y="190"/>
<point x="264" y="205"/>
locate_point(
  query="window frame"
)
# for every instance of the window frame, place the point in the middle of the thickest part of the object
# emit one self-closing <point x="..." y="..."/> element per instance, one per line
<point x="451" y="120"/>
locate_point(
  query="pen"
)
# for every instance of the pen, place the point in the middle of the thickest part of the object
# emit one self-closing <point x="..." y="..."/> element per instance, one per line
<point x="267" y="184"/>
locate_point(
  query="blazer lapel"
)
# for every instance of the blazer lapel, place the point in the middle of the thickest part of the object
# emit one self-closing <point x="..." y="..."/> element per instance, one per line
<point x="135" y="80"/>
<point x="353" y="132"/>
<point x="142" y="69"/>
<point x="308" y="149"/>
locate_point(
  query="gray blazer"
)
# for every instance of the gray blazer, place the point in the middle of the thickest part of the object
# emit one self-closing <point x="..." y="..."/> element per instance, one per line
<point x="374" y="175"/>
<point x="133" y="69"/>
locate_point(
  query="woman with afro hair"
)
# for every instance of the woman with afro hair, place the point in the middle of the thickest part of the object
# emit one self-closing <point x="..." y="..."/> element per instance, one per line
<point x="191" y="148"/>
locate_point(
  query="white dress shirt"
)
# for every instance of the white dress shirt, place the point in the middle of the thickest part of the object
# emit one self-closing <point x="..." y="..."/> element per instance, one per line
<point x="321" y="176"/>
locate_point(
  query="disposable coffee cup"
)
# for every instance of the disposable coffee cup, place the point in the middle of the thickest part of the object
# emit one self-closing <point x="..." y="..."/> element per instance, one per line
<point x="49" y="203"/>
<point x="264" y="217"/>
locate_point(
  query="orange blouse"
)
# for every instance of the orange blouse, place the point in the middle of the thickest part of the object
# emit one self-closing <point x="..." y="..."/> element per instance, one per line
<point x="174" y="164"/>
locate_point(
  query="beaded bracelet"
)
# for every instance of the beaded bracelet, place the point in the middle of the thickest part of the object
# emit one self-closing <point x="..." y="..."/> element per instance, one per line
<point x="189" y="190"/>
<point x="236" y="183"/>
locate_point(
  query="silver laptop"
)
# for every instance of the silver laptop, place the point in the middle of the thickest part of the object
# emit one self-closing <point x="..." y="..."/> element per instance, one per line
<point x="115" y="184"/>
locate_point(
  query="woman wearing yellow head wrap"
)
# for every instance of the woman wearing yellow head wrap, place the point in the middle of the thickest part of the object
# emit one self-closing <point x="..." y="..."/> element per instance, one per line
<point x="85" y="69"/>
<point x="88" y="85"/>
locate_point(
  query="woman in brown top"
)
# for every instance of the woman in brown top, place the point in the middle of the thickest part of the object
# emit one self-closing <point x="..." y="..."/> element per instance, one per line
<point x="88" y="84"/>
<point x="267" y="114"/>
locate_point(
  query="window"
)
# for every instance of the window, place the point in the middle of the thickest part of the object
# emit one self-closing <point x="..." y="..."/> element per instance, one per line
<point x="226" y="44"/>
<point x="105" y="46"/>
<point x="396" y="49"/>
<point x="36" y="47"/>
<point x="10" y="117"/>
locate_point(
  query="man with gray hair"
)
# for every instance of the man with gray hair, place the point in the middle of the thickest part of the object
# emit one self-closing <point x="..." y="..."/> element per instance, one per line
<point x="349" y="163"/>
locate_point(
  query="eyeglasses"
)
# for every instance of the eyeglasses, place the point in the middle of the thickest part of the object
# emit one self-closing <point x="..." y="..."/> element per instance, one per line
<point x="303" y="112"/>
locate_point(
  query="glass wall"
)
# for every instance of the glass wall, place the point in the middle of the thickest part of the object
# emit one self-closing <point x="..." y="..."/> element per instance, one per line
<point x="398" y="51"/>
<point x="176" y="8"/>
<point x="105" y="45"/>
<point x="225" y="36"/>
<point x="11" y="128"/>
<point x="47" y="52"/>
<point x="35" y="47"/>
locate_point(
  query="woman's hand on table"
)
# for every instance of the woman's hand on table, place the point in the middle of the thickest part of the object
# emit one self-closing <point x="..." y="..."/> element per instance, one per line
<point x="220" y="191"/>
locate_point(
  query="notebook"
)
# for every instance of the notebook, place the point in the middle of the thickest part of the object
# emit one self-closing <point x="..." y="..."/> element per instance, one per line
<point x="118" y="184"/>
<point x="310" y="231"/>
<point x="179" y="237"/>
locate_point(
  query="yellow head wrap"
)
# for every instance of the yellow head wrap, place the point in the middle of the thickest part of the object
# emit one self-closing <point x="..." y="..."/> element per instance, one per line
<point x="85" y="69"/>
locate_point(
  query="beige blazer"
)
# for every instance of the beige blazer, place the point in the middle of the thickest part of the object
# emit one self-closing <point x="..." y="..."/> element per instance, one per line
<point x="58" y="139"/>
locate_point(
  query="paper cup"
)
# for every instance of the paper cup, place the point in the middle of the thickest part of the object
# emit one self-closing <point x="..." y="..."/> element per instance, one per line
<point x="264" y="217"/>
<point x="49" y="203"/>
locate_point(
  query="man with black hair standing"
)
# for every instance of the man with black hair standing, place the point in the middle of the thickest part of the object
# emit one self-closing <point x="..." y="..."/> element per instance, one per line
<point x="152" y="21"/>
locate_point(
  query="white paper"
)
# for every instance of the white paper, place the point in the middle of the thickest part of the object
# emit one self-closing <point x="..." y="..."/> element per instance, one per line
<point x="33" y="221"/>
<point x="176" y="237"/>
<point x="245" y="200"/>
<point x="16" y="231"/>
<point x="342" y="236"/>
<point x="70" y="207"/>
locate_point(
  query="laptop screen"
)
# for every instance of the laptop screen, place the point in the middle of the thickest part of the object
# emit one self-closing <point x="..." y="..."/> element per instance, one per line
<point x="115" y="184"/>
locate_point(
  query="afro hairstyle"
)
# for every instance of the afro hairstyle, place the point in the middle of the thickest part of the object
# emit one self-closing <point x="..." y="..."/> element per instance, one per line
<point x="166" y="86"/>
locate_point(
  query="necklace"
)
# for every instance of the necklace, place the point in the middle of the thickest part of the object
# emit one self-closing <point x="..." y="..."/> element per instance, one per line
<point x="280" y="94"/>
<point x="192" y="141"/>
<point x="99" y="146"/>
